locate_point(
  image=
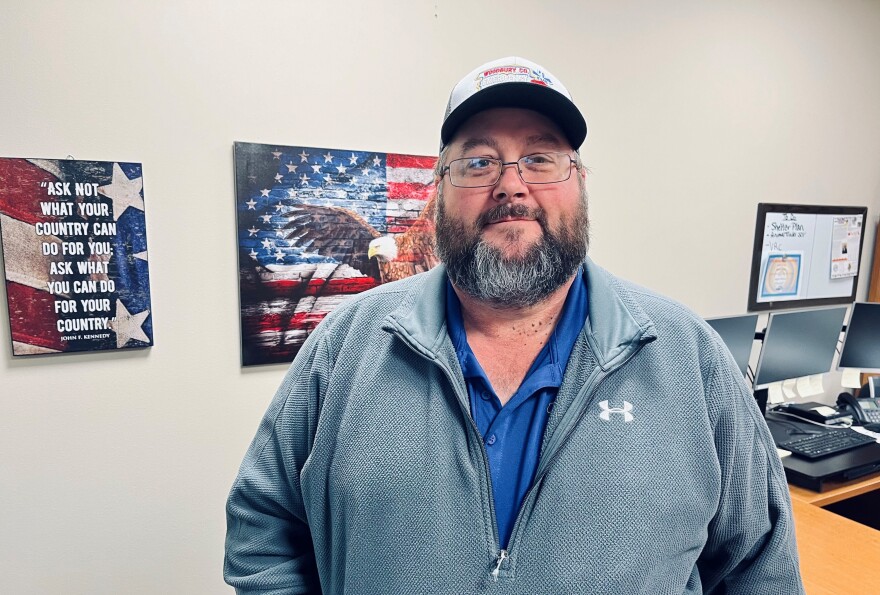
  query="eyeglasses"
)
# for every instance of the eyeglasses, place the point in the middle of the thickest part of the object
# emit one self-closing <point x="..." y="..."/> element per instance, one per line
<point x="538" y="168"/>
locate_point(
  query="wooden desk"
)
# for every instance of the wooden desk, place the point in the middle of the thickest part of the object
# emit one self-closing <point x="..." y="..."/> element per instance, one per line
<point x="838" y="556"/>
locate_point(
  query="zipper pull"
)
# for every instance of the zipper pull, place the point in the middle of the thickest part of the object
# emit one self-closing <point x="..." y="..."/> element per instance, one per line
<point x="502" y="556"/>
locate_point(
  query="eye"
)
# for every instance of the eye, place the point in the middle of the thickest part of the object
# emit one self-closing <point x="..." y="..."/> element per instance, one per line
<point x="477" y="164"/>
<point x="538" y="161"/>
<point x="475" y="167"/>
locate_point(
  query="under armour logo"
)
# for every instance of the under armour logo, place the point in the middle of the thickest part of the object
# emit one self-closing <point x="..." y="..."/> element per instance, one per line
<point x="605" y="414"/>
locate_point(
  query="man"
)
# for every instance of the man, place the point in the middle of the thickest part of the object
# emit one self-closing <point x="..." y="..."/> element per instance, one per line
<point x="516" y="420"/>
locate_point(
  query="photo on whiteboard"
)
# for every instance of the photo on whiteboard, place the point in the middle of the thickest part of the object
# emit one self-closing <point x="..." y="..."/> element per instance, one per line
<point x="846" y="237"/>
<point x="782" y="275"/>
<point x="316" y="226"/>
<point x="75" y="255"/>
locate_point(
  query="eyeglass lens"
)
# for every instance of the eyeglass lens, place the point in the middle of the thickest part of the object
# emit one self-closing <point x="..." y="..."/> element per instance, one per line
<point x="539" y="168"/>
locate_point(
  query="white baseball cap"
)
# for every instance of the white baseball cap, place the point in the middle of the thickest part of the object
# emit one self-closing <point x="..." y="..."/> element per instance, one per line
<point x="513" y="82"/>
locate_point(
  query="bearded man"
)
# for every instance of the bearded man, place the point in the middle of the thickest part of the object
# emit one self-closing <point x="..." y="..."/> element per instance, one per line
<point x="516" y="420"/>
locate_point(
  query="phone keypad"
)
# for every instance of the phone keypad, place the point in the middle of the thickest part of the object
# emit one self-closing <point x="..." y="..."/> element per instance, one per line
<point x="873" y="415"/>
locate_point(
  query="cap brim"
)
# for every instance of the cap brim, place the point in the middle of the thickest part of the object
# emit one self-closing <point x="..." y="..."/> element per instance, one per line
<point x="544" y="100"/>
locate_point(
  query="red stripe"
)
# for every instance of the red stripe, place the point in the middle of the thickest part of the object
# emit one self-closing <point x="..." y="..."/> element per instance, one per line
<point x="32" y="316"/>
<point x="277" y="323"/>
<point x="321" y="286"/>
<point x="340" y="286"/>
<point x="398" y="190"/>
<point x="282" y="322"/>
<point x="418" y="161"/>
<point x="20" y="192"/>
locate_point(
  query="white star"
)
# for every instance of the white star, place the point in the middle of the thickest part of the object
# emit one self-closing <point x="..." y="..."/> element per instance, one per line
<point x="353" y="159"/>
<point x="267" y="244"/>
<point x="264" y="192"/>
<point x="251" y="205"/>
<point x="328" y="180"/>
<point x="141" y="255"/>
<point x="252" y="231"/>
<point x="278" y="177"/>
<point x="276" y="154"/>
<point x="266" y="218"/>
<point x="316" y="169"/>
<point x="279" y="206"/>
<point x="279" y="233"/>
<point x="376" y="161"/>
<point x="291" y="168"/>
<point x="304" y="157"/>
<point x="123" y="192"/>
<point x="328" y="158"/>
<point x="367" y="171"/>
<point x="279" y="255"/>
<point x="291" y="192"/>
<point x="341" y="169"/>
<point x="253" y="253"/>
<point x="128" y="326"/>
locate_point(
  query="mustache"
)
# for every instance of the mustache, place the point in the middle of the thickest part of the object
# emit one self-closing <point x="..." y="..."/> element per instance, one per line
<point x="506" y="210"/>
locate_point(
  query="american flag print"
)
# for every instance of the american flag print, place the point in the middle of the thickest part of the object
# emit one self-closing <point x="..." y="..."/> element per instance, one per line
<point x="75" y="255"/>
<point x="318" y="225"/>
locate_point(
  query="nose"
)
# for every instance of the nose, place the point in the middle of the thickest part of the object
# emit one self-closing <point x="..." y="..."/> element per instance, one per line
<point x="510" y="185"/>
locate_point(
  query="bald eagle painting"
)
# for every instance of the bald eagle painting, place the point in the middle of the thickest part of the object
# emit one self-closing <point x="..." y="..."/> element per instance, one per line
<point x="316" y="226"/>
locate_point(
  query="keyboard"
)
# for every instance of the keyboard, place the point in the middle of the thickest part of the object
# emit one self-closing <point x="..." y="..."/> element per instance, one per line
<point x="827" y="443"/>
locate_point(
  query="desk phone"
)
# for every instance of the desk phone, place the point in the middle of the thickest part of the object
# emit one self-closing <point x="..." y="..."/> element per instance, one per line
<point x="864" y="411"/>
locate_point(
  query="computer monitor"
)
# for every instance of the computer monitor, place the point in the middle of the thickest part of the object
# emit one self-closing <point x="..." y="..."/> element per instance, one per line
<point x="800" y="343"/>
<point x="738" y="333"/>
<point x="861" y="347"/>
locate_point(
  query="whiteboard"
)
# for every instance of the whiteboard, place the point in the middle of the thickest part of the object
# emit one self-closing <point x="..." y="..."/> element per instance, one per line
<point x="805" y="255"/>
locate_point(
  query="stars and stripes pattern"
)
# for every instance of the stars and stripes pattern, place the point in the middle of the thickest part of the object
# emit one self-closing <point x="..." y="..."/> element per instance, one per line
<point x="40" y="232"/>
<point x="305" y="215"/>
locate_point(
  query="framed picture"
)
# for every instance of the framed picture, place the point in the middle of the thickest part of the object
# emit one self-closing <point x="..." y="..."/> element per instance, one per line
<point x="75" y="255"/>
<point x="316" y="226"/>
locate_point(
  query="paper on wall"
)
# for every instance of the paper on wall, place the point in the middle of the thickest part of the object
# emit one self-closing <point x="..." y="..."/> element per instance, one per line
<point x="852" y="378"/>
<point x="788" y="388"/>
<point x="774" y="393"/>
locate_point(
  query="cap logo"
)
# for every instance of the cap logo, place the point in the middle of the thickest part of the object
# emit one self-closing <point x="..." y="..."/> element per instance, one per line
<point x="511" y="74"/>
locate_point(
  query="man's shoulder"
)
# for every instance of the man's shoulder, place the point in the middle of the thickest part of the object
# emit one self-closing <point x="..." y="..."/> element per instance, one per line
<point x="682" y="336"/>
<point x="668" y="315"/>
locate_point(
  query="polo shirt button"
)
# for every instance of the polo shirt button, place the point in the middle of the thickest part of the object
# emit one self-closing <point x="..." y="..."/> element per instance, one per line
<point x="491" y="440"/>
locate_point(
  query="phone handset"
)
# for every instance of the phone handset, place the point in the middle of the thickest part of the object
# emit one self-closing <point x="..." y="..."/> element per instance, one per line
<point x="865" y="412"/>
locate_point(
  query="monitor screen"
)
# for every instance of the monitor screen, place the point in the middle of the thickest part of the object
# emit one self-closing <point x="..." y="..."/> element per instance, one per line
<point x="861" y="348"/>
<point x="805" y="256"/>
<point x="738" y="333"/>
<point x="799" y="344"/>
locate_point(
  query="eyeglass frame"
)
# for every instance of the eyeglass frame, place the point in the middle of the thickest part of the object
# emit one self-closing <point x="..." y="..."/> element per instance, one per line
<point x="572" y="161"/>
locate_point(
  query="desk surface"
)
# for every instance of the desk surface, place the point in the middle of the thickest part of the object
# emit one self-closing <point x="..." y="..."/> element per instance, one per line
<point x="838" y="556"/>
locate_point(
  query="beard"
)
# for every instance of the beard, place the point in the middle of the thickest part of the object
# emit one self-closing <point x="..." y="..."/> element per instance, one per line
<point x="522" y="279"/>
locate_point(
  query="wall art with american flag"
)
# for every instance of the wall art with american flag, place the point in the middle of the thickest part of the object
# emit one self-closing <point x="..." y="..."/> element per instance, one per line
<point x="316" y="226"/>
<point x="75" y="255"/>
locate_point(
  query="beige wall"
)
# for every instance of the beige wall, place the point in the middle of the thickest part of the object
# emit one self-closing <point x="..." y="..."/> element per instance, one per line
<point x="114" y="467"/>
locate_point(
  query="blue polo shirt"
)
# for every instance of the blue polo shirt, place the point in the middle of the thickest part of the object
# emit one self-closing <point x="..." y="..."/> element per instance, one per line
<point x="512" y="434"/>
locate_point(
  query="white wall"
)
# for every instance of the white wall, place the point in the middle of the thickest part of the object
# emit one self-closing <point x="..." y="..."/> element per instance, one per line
<point x="114" y="467"/>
